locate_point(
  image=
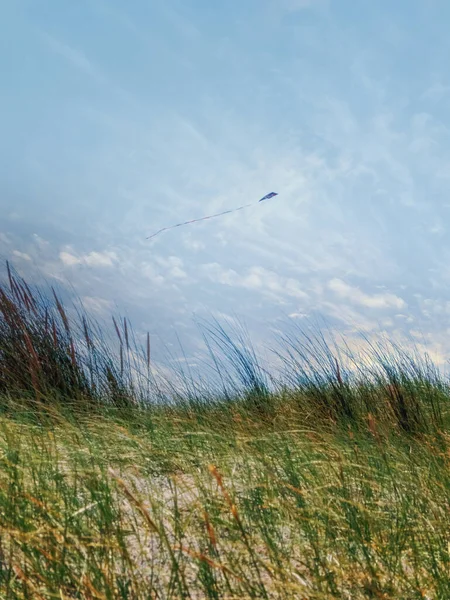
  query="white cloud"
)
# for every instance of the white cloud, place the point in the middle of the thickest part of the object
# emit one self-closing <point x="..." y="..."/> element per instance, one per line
<point x="93" y="259"/>
<point x="96" y="304"/>
<point x="149" y="272"/>
<point x="100" y="259"/>
<point x="193" y="244"/>
<point x="437" y="308"/>
<point x="256" y="279"/>
<point x="172" y="266"/>
<point x="355" y="295"/>
<point x="40" y="242"/>
<point x="22" y="255"/>
<point x="351" y="318"/>
<point x="69" y="259"/>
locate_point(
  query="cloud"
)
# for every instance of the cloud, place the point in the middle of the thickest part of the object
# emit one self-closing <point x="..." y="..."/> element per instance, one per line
<point x="22" y="255"/>
<point x="93" y="259"/>
<point x="436" y="91"/>
<point x="73" y="56"/>
<point x="297" y="315"/>
<point x="100" y="259"/>
<point x="173" y="267"/>
<point x="256" y="279"/>
<point x="355" y="295"/>
<point x="193" y="244"/>
<point x="97" y="305"/>
<point x="40" y="242"/>
<point x="69" y="259"/>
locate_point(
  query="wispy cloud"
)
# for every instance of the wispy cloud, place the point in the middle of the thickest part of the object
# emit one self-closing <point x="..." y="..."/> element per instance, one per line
<point x="173" y="266"/>
<point x="356" y="296"/>
<point x="22" y="255"/>
<point x="92" y="259"/>
<point x="97" y="305"/>
<point x="256" y="279"/>
<point x="4" y="239"/>
<point x="72" y="55"/>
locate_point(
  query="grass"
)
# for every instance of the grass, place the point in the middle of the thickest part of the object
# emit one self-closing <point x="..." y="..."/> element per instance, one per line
<point x="330" y="481"/>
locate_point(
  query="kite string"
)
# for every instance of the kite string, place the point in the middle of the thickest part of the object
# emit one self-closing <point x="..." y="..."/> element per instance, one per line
<point x="225" y="212"/>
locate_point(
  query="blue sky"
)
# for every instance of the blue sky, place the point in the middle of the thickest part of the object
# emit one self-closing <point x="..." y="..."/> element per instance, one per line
<point x="120" y="118"/>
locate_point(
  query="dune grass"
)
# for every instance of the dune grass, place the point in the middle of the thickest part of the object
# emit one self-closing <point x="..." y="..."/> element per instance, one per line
<point x="330" y="481"/>
<point x="167" y="506"/>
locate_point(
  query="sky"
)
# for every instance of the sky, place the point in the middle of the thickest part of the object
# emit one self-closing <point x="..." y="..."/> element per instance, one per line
<point x="119" y="118"/>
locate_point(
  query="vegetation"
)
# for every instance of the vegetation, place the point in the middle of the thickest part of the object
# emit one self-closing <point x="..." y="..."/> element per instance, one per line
<point x="330" y="481"/>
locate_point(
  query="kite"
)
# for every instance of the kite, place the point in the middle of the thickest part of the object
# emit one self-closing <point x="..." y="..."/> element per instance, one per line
<point x="225" y="212"/>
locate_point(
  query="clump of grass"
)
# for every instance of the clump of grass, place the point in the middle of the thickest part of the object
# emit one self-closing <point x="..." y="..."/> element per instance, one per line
<point x="46" y="355"/>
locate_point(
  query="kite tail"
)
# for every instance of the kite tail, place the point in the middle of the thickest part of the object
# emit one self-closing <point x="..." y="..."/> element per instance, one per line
<point x="225" y="212"/>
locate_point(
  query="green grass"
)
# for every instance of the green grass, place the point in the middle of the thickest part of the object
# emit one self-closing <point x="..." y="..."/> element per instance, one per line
<point x="329" y="481"/>
<point x="162" y="507"/>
